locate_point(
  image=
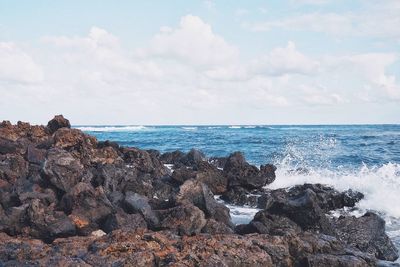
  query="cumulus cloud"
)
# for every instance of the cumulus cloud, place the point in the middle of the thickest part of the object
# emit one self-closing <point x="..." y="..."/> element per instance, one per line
<point x="184" y="74"/>
<point x="284" y="60"/>
<point x="194" y="42"/>
<point x="18" y="66"/>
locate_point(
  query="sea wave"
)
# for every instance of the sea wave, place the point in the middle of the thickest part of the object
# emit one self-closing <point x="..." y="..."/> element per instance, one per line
<point x="380" y="185"/>
<point x="235" y="127"/>
<point x="189" y="128"/>
<point x="112" y="128"/>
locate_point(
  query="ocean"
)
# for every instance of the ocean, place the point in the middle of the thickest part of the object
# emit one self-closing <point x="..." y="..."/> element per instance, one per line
<point x="361" y="157"/>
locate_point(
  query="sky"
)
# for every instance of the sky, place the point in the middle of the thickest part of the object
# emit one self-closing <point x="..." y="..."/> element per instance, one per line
<point x="200" y="62"/>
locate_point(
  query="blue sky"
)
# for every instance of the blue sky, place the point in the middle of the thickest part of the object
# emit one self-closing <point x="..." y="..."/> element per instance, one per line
<point x="201" y="62"/>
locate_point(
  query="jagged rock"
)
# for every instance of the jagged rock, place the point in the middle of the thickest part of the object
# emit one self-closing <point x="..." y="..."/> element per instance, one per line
<point x="265" y="223"/>
<point x="185" y="219"/>
<point x="179" y="159"/>
<point x="367" y="233"/>
<point x="198" y="194"/>
<point x="144" y="162"/>
<point x="213" y="227"/>
<point x="239" y="196"/>
<point x="13" y="167"/>
<point x="57" y="122"/>
<point x="87" y="207"/>
<point x="7" y="146"/>
<point x="212" y="177"/>
<point x="241" y="173"/>
<point x="62" y="169"/>
<point x="304" y="210"/>
<point x="124" y="221"/>
<point x="136" y="203"/>
<point x="35" y="155"/>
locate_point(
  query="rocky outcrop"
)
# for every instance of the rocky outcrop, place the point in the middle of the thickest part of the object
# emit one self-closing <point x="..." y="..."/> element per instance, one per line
<point x="67" y="199"/>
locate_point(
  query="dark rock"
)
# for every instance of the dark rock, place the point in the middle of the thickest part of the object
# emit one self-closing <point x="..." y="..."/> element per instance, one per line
<point x="7" y="146"/>
<point x="13" y="167"/>
<point x="35" y="155"/>
<point x="57" y="122"/>
<point x="87" y="207"/>
<point x="48" y="224"/>
<point x="239" y="196"/>
<point x="144" y="162"/>
<point x="265" y="223"/>
<point x="174" y="157"/>
<point x="184" y="219"/>
<point x="193" y="157"/>
<point x="303" y="210"/>
<point x="183" y="174"/>
<point x="212" y="177"/>
<point x="124" y="221"/>
<point x="62" y="169"/>
<point x="198" y="194"/>
<point x="136" y="203"/>
<point x="213" y="227"/>
<point x="367" y="233"/>
<point x="241" y="173"/>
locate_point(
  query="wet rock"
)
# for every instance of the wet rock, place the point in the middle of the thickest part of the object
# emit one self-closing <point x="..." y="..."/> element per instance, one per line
<point x="304" y="210"/>
<point x="136" y="203"/>
<point x="62" y="169"/>
<point x="241" y="173"/>
<point x="367" y="233"/>
<point x="240" y="196"/>
<point x="174" y="157"/>
<point x="57" y="122"/>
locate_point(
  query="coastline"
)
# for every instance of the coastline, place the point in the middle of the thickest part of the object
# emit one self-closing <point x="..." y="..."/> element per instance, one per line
<point x="68" y="198"/>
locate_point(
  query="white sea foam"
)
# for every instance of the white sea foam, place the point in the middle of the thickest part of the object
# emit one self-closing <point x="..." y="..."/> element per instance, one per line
<point x="235" y="127"/>
<point x="189" y="128"/>
<point x="380" y="185"/>
<point x="112" y="128"/>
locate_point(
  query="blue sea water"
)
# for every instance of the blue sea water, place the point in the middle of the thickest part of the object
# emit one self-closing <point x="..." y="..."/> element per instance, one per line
<point x="362" y="157"/>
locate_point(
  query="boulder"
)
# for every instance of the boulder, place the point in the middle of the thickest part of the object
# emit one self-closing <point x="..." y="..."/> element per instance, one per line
<point x="57" y="122"/>
<point x="367" y="233"/>
<point x="124" y="221"/>
<point x="266" y="223"/>
<point x="185" y="219"/>
<point x="212" y="177"/>
<point x="136" y="203"/>
<point x="198" y="194"/>
<point x="240" y="196"/>
<point x="87" y="207"/>
<point x="241" y="173"/>
<point x="62" y="169"/>
<point x="214" y="227"/>
<point x="12" y="168"/>
<point x="304" y="210"/>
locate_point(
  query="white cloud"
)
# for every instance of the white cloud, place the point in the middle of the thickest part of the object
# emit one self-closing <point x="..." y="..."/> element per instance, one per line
<point x="378" y="19"/>
<point x="284" y="60"/>
<point x="193" y="42"/>
<point x="17" y="66"/>
<point x="186" y="74"/>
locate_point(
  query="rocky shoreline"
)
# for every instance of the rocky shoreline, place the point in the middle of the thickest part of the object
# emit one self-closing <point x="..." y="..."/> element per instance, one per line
<point x="67" y="199"/>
